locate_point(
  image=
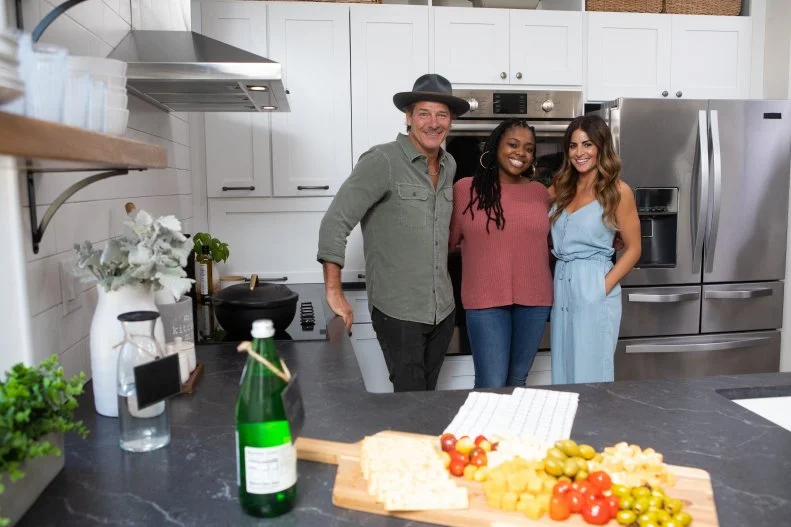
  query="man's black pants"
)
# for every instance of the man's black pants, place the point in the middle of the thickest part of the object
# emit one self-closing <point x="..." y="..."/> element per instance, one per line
<point x="413" y="352"/>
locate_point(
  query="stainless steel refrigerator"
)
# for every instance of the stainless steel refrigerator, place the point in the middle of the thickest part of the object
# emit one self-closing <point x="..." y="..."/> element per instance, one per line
<point x="711" y="181"/>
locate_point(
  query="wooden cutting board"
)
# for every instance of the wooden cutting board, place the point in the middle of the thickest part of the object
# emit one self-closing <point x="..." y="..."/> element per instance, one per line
<point x="693" y="487"/>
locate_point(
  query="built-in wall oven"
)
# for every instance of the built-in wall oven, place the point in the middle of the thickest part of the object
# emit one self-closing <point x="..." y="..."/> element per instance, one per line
<point x="549" y="112"/>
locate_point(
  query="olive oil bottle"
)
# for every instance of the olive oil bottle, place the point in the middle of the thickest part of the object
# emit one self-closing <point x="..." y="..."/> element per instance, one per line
<point x="205" y="288"/>
<point x="266" y="458"/>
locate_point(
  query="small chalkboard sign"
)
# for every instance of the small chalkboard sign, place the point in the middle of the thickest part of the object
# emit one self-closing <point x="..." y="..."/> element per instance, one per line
<point x="157" y="380"/>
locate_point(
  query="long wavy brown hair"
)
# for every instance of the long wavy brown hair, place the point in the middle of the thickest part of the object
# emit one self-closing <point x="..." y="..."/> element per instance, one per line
<point x="605" y="188"/>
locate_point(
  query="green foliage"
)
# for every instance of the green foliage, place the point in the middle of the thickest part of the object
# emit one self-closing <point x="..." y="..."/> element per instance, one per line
<point x="153" y="254"/>
<point x="219" y="250"/>
<point x="35" y="401"/>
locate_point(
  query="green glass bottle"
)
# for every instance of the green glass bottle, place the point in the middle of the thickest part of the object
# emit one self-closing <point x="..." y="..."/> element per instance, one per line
<point x="265" y="457"/>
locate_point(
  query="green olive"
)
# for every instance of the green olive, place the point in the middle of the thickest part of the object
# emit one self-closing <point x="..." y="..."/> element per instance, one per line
<point x="556" y="453"/>
<point x="639" y="492"/>
<point x="647" y="517"/>
<point x="587" y="451"/>
<point x="671" y="523"/>
<point x="569" y="447"/>
<point x="564" y="478"/>
<point x="673" y="506"/>
<point x="570" y="468"/>
<point x="656" y="501"/>
<point x="619" y="490"/>
<point x="626" y="517"/>
<point x="553" y="467"/>
<point x="581" y="474"/>
<point x="657" y="491"/>
<point x="626" y="502"/>
<point x="641" y="505"/>
<point x="662" y="517"/>
<point x="581" y="463"/>
<point x="682" y="518"/>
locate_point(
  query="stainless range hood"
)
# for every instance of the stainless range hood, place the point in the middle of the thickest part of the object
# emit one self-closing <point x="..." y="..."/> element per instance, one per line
<point x="184" y="71"/>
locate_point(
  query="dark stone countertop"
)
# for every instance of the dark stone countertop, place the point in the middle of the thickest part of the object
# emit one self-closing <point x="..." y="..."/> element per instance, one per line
<point x="192" y="482"/>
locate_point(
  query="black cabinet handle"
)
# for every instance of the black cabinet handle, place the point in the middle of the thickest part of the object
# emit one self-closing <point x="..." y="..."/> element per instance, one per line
<point x="361" y="276"/>
<point x="238" y="188"/>
<point x="313" y="187"/>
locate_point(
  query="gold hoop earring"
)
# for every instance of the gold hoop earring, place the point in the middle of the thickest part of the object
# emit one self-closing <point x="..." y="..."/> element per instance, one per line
<point x="480" y="159"/>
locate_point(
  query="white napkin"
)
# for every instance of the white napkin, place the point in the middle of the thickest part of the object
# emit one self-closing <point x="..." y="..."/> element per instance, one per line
<point x="545" y="414"/>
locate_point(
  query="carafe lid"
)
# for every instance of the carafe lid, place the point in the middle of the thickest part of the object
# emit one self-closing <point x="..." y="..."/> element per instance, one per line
<point x="138" y="316"/>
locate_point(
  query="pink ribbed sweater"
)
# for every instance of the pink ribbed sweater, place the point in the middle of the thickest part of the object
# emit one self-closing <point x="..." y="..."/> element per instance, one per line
<point x="509" y="266"/>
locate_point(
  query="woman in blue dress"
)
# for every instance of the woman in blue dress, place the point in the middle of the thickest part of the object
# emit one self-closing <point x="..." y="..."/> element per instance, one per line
<point x="590" y="204"/>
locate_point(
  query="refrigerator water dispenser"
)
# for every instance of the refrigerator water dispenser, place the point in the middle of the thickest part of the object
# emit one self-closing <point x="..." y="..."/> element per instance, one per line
<point x="658" y="211"/>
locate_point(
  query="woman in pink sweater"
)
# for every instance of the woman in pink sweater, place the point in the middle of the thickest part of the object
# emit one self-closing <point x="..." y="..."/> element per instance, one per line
<point x="500" y="219"/>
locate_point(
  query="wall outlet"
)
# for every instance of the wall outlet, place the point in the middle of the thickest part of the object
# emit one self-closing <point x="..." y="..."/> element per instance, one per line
<point x="70" y="289"/>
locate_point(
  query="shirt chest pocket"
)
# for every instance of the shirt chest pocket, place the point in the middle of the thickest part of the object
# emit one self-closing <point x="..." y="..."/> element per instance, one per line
<point x="444" y="206"/>
<point x="412" y="205"/>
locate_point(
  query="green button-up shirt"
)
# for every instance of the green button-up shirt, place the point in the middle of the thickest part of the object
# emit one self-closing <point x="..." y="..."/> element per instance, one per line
<point x="405" y="224"/>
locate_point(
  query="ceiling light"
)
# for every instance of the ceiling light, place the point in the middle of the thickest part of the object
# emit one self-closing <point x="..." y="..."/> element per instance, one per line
<point x="269" y="107"/>
<point x="257" y="88"/>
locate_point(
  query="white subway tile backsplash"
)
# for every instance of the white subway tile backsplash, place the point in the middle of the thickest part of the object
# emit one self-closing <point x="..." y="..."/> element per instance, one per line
<point x="43" y="284"/>
<point x="77" y="359"/>
<point x="77" y="324"/>
<point x="46" y="333"/>
<point x="147" y="118"/>
<point x="114" y="27"/>
<point x="88" y="220"/>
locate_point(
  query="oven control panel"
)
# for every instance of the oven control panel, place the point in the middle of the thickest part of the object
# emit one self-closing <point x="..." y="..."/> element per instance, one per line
<point x="525" y="104"/>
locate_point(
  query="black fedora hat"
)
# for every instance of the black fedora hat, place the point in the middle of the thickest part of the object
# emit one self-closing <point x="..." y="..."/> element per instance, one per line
<point x="432" y="87"/>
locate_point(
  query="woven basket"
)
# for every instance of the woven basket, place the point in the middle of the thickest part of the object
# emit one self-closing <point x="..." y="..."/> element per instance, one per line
<point x="631" y="6"/>
<point x="704" y="7"/>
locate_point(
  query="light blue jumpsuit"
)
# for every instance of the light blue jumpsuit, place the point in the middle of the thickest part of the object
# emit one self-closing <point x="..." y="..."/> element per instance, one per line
<point x="584" y="321"/>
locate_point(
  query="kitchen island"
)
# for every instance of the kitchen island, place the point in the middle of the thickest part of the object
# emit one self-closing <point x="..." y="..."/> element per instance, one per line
<point x="192" y="482"/>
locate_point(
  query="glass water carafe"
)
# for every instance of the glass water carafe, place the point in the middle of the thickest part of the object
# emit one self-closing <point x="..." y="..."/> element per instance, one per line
<point x="142" y="429"/>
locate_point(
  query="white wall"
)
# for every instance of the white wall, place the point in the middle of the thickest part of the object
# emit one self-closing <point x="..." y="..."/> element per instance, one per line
<point x="96" y="212"/>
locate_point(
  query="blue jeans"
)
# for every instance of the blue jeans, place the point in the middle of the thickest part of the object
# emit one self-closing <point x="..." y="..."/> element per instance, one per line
<point x="504" y="342"/>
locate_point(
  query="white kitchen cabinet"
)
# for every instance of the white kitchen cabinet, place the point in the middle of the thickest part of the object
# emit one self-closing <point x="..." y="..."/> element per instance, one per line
<point x="471" y="45"/>
<point x="237" y="144"/>
<point x="628" y="55"/>
<point x="311" y="144"/>
<point x="711" y="57"/>
<point x="389" y="50"/>
<point x="673" y="56"/>
<point x="508" y="46"/>
<point x="370" y="359"/>
<point x="545" y="48"/>
<point x="278" y="237"/>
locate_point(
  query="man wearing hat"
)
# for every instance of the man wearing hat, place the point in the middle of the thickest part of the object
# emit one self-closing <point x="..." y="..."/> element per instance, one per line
<point x="402" y="194"/>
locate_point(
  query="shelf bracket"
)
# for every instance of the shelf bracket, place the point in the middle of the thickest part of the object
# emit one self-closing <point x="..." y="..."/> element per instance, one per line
<point x="38" y="230"/>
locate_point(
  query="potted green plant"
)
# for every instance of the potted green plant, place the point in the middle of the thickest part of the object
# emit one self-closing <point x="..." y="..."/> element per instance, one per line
<point x="37" y="406"/>
<point x="219" y="250"/>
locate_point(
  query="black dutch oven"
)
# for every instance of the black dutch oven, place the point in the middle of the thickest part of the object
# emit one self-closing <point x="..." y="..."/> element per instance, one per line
<point x="238" y="306"/>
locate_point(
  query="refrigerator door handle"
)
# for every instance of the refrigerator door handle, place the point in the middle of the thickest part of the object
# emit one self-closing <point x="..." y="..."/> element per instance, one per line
<point x="702" y="209"/>
<point x="716" y="161"/>
<point x="691" y="348"/>
<point x="738" y="294"/>
<point x="666" y="298"/>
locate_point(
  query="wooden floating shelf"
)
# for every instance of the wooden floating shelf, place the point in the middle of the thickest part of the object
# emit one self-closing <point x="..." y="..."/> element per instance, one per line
<point x="44" y="146"/>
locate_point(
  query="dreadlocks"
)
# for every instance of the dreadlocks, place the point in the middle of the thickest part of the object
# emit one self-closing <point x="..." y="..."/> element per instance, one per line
<point x="485" y="188"/>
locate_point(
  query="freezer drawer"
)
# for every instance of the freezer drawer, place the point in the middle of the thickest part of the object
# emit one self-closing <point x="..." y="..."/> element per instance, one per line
<point x="697" y="356"/>
<point x="742" y="307"/>
<point x="659" y="311"/>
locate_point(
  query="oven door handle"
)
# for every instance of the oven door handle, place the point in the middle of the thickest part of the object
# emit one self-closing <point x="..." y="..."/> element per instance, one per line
<point x="704" y="346"/>
<point x="488" y="127"/>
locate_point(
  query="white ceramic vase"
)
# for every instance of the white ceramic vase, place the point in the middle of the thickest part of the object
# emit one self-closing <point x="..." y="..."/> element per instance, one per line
<point x="106" y="332"/>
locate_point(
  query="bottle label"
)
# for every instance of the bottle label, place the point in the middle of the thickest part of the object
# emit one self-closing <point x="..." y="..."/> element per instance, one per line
<point x="271" y="469"/>
<point x="203" y="278"/>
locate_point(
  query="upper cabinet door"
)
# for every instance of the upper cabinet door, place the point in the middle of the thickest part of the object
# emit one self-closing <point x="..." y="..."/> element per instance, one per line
<point x="311" y="144"/>
<point x="546" y="48"/>
<point x="628" y="55"/>
<point x="711" y="57"/>
<point x="389" y="51"/>
<point x="237" y="143"/>
<point x="471" y="45"/>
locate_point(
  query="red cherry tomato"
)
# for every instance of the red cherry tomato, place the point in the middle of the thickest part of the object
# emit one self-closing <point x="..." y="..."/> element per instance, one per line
<point x="447" y="442"/>
<point x="457" y="467"/>
<point x="575" y="501"/>
<point x="455" y="455"/>
<point x="586" y="487"/>
<point x="601" y="479"/>
<point x="559" y="508"/>
<point x="596" y="513"/>
<point x="561" y="488"/>
<point x="478" y="459"/>
<point x="479" y="439"/>
<point x="612" y="505"/>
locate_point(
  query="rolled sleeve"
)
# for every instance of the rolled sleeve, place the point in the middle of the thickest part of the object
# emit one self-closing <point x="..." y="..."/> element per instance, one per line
<point x="368" y="183"/>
